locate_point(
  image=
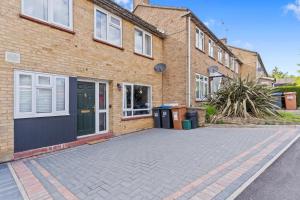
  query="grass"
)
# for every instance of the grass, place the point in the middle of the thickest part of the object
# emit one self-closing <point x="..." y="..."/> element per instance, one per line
<point x="290" y="117"/>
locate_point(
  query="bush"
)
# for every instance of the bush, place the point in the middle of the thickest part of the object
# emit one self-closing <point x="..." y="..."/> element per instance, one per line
<point x="210" y="112"/>
<point x="290" y="89"/>
<point x="244" y="98"/>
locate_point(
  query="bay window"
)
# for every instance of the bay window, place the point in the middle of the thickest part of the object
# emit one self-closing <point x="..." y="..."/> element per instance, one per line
<point x="40" y="95"/>
<point x="199" y="39"/>
<point x="137" y="100"/>
<point x="201" y="87"/>
<point x="142" y="42"/>
<point x="57" y="12"/>
<point x="108" y="27"/>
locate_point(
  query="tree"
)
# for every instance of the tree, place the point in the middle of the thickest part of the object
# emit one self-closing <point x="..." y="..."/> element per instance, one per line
<point x="277" y="74"/>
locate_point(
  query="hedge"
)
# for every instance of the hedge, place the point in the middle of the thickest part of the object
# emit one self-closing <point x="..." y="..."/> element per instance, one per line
<point x="290" y="89"/>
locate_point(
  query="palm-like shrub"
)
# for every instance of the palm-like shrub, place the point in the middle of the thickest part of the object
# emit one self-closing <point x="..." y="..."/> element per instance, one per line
<point x="244" y="98"/>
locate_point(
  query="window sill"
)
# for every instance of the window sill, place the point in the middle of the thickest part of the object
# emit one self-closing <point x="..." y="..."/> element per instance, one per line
<point x="41" y="116"/>
<point x="136" y="118"/>
<point x="108" y="44"/>
<point x="202" y="51"/>
<point x="151" y="58"/>
<point x="203" y="100"/>
<point x="211" y="57"/>
<point x="47" y="24"/>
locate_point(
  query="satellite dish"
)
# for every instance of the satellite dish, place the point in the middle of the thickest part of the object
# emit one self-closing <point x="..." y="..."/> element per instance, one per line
<point x="213" y="69"/>
<point x="161" y="67"/>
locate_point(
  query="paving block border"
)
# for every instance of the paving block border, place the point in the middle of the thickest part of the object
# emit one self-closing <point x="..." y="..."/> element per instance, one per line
<point x="262" y="170"/>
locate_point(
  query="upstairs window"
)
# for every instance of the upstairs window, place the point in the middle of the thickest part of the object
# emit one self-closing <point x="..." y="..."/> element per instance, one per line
<point x="211" y="45"/>
<point x="226" y="59"/>
<point x="199" y="39"/>
<point x="220" y="55"/>
<point x="142" y="42"/>
<point x="57" y="12"/>
<point x="108" y="27"/>
<point x="40" y="95"/>
<point x="232" y="63"/>
<point x="237" y="67"/>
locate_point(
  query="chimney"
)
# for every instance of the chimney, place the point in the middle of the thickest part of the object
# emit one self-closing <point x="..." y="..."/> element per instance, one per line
<point x="140" y="2"/>
<point x="224" y="40"/>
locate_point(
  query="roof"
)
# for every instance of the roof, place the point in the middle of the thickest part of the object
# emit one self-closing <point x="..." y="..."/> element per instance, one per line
<point x="199" y="23"/>
<point x="256" y="53"/>
<point x="114" y="8"/>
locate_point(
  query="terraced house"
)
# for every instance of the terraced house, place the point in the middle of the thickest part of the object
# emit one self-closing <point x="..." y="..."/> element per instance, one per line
<point x="73" y="71"/>
<point x="253" y="66"/>
<point x="197" y="61"/>
<point x="74" y="68"/>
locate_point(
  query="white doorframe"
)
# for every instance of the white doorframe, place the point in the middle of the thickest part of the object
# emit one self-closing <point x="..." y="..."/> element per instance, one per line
<point x="97" y="109"/>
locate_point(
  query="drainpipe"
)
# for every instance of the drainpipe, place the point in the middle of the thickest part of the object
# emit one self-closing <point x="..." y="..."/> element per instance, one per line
<point x="189" y="61"/>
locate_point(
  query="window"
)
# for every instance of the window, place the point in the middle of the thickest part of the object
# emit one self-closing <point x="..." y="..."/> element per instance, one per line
<point x="136" y="100"/>
<point x="232" y="63"/>
<point x="108" y="27"/>
<point x="201" y="87"/>
<point x="220" y="55"/>
<point x="142" y="42"/>
<point x="58" y="12"/>
<point x="40" y="95"/>
<point x="226" y="59"/>
<point x="237" y="67"/>
<point x="199" y="39"/>
<point x="211" y="45"/>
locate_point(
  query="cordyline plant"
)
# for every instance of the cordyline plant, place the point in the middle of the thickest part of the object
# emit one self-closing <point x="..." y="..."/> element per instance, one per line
<point x="243" y="99"/>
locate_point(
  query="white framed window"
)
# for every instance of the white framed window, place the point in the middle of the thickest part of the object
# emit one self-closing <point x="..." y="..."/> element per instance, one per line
<point x="199" y="39"/>
<point x="107" y="27"/>
<point x="40" y="95"/>
<point x="142" y="42"/>
<point x="57" y="12"/>
<point x="237" y="67"/>
<point x="232" y="63"/>
<point x="211" y="45"/>
<point x="201" y="87"/>
<point x="220" y="55"/>
<point x="227" y="59"/>
<point x="137" y="100"/>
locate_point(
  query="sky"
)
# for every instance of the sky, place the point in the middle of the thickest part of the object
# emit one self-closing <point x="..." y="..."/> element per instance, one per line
<point x="270" y="27"/>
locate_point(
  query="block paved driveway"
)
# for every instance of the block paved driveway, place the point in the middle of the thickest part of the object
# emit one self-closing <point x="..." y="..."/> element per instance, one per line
<point x="209" y="163"/>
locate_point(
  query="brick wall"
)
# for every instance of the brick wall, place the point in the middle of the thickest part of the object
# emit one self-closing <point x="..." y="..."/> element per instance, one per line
<point x="249" y="59"/>
<point x="175" y="50"/>
<point x="45" y="49"/>
<point x="175" y="25"/>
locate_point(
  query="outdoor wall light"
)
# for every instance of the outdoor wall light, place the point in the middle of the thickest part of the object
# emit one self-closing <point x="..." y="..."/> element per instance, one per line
<point x="119" y="85"/>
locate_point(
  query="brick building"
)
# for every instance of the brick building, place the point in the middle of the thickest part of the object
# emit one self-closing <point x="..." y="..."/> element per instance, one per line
<point x="197" y="61"/>
<point x="73" y="70"/>
<point x="82" y="70"/>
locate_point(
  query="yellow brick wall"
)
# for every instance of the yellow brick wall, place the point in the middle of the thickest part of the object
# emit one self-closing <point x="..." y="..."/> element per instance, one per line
<point x="175" y="50"/>
<point x="201" y="61"/>
<point x="45" y="49"/>
<point x="249" y="59"/>
<point x="173" y="22"/>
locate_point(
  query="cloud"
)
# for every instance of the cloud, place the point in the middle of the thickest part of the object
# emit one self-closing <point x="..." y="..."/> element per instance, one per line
<point x="210" y="23"/>
<point x="294" y="8"/>
<point x="242" y="44"/>
<point x="125" y="3"/>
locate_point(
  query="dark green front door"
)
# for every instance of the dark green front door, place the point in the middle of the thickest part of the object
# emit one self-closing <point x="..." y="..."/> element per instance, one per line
<point x="86" y="108"/>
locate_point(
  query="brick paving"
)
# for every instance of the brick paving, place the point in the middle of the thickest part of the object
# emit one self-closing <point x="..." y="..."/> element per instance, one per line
<point x="8" y="187"/>
<point x="208" y="163"/>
